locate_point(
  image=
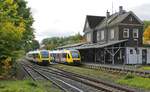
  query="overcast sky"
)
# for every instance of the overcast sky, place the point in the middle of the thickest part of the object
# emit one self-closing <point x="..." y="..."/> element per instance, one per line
<point x="67" y="17"/>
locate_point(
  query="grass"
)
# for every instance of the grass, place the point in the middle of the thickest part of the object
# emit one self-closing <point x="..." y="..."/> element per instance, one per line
<point x="135" y="81"/>
<point x="144" y="68"/>
<point x="130" y="80"/>
<point x="88" y="72"/>
<point x="26" y="86"/>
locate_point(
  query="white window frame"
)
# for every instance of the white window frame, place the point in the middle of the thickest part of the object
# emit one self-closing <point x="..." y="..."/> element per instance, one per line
<point x="98" y="36"/>
<point x="88" y="37"/>
<point x="135" y="31"/>
<point x="131" y="18"/>
<point x="87" y="25"/>
<point x="126" y="31"/>
<point x="102" y="35"/>
<point x="112" y="34"/>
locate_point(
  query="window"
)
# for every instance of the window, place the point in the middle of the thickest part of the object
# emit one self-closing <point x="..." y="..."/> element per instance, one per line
<point x="112" y="34"/>
<point x="88" y="37"/>
<point x="98" y="35"/>
<point x="126" y="33"/>
<point x="135" y="33"/>
<point x="131" y="51"/>
<point x="30" y="55"/>
<point x="87" y="25"/>
<point x="102" y="35"/>
<point x="64" y="55"/>
<point x="130" y="19"/>
<point x="45" y="54"/>
<point x="75" y="54"/>
<point x="137" y="51"/>
<point x="68" y="55"/>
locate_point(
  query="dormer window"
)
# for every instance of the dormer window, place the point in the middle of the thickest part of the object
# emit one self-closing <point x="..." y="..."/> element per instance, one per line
<point x="112" y="34"/>
<point x="98" y="35"/>
<point x="126" y="33"/>
<point x="102" y="35"/>
<point x="135" y="33"/>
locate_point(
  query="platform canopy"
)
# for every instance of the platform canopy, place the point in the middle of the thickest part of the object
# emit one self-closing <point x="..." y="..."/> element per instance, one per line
<point x="90" y="45"/>
<point x="99" y="45"/>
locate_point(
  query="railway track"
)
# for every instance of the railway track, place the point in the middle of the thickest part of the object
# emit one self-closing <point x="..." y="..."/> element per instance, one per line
<point x="122" y="70"/>
<point x="34" y="75"/>
<point x="97" y="84"/>
<point x="37" y="76"/>
<point x="58" y="81"/>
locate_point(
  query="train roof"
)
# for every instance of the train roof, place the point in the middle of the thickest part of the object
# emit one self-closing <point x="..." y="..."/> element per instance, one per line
<point x="61" y="51"/>
<point x="37" y="51"/>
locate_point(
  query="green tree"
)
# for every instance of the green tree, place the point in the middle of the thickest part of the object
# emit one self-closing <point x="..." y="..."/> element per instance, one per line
<point x="14" y="25"/>
<point x="35" y="45"/>
<point x="52" y="43"/>
<point x="28" y="34"/>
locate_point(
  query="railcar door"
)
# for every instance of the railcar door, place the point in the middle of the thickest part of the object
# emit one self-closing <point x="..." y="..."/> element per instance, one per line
<point x="64" y="57"/>
<point x="59" y="57"/>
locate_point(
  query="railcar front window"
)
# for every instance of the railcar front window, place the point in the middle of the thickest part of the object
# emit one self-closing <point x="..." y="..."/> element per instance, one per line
<point x="44" y="54"/>
<point x="75" y="54"/>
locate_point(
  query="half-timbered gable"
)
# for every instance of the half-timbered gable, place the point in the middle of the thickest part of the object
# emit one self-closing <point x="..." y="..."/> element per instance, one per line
<point x="122" y="26"/>
<point x="131" y="28"/>
<point x="131" y="19"/>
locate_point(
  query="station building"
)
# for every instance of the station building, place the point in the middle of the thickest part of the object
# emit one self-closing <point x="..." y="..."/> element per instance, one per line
<point x="113" y="39"/>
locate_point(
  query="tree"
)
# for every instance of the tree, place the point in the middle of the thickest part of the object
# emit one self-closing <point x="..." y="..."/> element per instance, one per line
<point x="15" y="23"/>
<point x="54" y="42"/>
<point x="28" y="34"/>
<point x="35" y="45"/>
<point x="12" y="26"/>
<point x="146" y="24"/>
<point x="147" y="35"/>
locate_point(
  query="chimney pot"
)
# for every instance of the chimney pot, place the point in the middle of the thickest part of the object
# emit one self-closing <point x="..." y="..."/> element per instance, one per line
<point x="120" y="9"/>
<point x="107" y="14"/>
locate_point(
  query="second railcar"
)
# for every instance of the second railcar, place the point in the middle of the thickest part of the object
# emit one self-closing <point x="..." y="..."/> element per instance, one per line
<point x="66" y="56"/>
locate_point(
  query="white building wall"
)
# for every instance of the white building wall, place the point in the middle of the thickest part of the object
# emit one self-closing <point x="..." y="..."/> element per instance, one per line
<point x="148" y="55"/>
<point x="134" y="58"/>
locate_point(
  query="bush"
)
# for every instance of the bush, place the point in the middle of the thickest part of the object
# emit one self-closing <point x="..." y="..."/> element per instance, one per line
<point x="129" y="76"/>
<point x="7" y="68"/>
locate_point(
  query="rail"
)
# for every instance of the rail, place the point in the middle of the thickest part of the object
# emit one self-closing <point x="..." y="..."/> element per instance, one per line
<point x="121" y="70"/>
<point x="100" y="85"/>
<point x="43" y="75"/>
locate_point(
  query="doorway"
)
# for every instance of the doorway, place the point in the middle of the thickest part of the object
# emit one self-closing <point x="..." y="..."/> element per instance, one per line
<point x="144" y="56"/>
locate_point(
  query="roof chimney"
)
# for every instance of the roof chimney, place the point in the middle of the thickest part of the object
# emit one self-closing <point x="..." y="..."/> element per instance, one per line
<point x="107" y="14"/>
<point x="120" y="9"/>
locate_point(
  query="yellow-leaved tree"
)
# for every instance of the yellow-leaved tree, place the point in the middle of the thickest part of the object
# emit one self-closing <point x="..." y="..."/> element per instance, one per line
<point x="146" y="36"/>
<point x="12" y="27"/>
